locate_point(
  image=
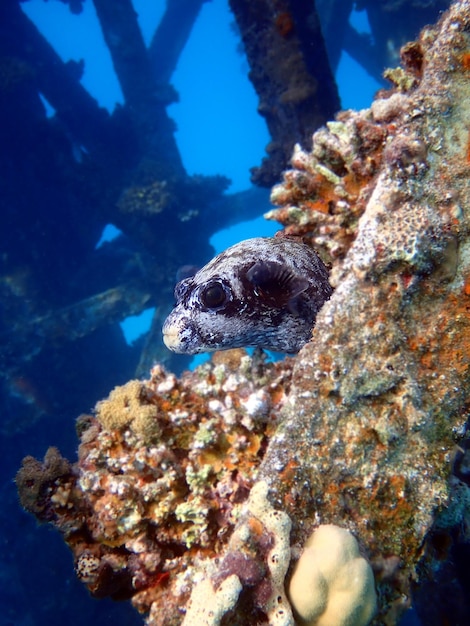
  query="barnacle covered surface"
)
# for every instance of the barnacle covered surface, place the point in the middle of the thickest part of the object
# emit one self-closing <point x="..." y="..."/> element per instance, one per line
<point x="198" y="494"/>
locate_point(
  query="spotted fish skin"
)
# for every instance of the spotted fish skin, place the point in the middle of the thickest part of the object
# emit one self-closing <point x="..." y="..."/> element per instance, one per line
<point x="262" y="292"/>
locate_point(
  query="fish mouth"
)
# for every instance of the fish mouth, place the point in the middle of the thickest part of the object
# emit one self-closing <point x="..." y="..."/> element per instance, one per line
<point x="171" y="339"/>
<point x="180" y="336"/>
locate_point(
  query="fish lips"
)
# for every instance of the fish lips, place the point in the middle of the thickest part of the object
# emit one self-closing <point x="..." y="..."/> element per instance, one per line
<point x="180" y="334"/>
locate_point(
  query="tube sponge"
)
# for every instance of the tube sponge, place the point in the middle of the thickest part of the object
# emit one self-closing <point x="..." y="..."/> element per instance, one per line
<point x="332" y="584"/>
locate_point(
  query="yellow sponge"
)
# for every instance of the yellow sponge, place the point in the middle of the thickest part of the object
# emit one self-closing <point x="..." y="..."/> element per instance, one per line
<point x="332" y="584"/>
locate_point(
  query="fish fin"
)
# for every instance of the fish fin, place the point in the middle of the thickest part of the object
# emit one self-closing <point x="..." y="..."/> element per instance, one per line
<point x="278" y="283"/>
<point x="293" y="306"/>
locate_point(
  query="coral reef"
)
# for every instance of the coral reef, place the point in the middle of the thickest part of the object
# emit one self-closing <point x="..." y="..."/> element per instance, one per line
<point x="382" y="389"/>
<point x="164" y="472"/>
<point x="37" y="480"/>
<point x="196" y="496"/>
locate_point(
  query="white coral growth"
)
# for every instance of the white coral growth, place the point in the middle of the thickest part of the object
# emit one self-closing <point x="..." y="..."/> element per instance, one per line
<point x="332" y="584"/>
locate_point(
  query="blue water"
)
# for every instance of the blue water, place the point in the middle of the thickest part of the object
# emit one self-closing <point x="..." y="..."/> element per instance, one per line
<point x="219" y="132"/>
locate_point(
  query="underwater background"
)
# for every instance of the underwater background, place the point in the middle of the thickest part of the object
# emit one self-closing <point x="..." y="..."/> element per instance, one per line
<point x="63" y="241"/>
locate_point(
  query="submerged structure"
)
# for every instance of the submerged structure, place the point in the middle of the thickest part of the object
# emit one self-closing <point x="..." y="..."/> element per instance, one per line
<point x="198" y="498"/>
<point x="69" y="170"/>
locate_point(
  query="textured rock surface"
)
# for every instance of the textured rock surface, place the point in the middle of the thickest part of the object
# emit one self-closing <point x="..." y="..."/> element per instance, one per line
<point x="379" y="395"/>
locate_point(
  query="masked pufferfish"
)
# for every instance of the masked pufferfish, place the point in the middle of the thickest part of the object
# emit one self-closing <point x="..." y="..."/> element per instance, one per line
<point x="262" y="292"/>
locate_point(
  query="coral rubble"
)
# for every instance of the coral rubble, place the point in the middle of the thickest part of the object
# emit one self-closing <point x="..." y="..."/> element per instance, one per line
<point x="195" y="497"/>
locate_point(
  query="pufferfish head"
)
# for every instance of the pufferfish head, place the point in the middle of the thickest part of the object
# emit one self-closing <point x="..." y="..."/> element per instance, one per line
<point x="262" y="292"/>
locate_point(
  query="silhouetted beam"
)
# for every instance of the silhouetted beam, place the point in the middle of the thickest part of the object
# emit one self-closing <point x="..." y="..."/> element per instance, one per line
<point x="73" y="322"/>
<point x="290" y="72"/>
<point x="122" y="35"/>
<point x="359" y="46"/>
<point x="171" y="36"/>
<point x="145" y="105"/>
<point x="393" y="24"/>
<point x="59" y="82"/>
<point x="233" y="208"/>
<point x="334" y="17"/>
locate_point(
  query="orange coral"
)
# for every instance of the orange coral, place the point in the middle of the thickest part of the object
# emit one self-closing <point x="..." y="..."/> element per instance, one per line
<point x="284" y="24"/>
<point x="466" y="60"/>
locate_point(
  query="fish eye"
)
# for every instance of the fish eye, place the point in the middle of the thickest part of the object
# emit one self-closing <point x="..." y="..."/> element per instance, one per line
<point x="213" y="296"/>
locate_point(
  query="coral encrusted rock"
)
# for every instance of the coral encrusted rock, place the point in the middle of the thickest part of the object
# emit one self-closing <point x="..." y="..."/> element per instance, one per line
<point x="164" y="473"/>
